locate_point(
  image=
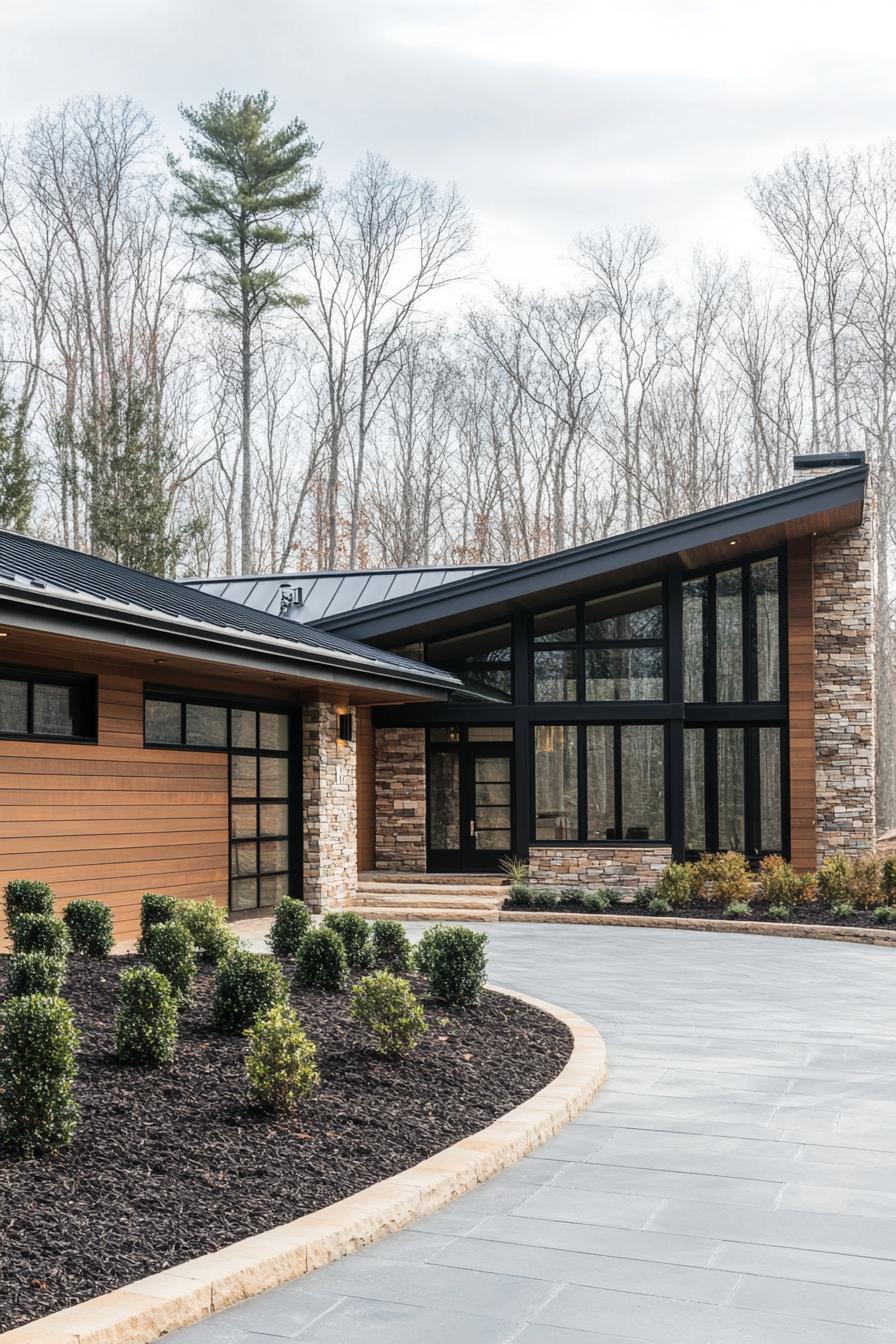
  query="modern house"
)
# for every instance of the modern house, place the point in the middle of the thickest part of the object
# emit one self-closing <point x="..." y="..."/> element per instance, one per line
<point x="705" y="683"/>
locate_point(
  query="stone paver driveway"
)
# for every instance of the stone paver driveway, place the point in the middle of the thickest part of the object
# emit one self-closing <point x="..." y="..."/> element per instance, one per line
<point x="735" y="1182"/>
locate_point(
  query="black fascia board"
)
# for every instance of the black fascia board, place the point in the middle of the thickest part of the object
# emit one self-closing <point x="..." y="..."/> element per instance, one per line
<point x="648" y="545"/>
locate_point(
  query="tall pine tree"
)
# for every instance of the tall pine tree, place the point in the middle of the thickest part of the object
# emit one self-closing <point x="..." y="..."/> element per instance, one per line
<point x="242" y="197"/>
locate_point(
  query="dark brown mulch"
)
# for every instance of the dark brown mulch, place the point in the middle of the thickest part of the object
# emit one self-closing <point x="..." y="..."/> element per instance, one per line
<point x="809" y="913"/>
<point x="171" y="1164"/>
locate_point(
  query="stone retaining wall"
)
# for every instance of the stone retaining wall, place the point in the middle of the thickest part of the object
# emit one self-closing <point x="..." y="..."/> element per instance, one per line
<point x="625" y="867"/>
<point x="400" y="788"/>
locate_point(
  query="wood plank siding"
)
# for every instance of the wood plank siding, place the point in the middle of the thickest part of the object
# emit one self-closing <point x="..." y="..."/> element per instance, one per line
<point x="366" y="794"/>
<point x="801" y="692"/>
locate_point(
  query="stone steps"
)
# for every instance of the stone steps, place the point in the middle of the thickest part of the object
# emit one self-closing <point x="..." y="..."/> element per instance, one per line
<point x="429" y="912"/>
<point x="394" y="879"/>
<point x="431" y="896"/>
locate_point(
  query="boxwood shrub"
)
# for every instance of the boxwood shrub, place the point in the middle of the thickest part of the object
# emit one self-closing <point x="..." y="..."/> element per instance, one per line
<point x="520" y="895"/>
<point x="34" y="973"/>
<point x="321" y="962"/>
<point x="24" y="896"/>
<point x="89" y="925"/>
<point x="146" y="1026"/>
<point x="453" y="961"/>
<point x="206" y="923"/>
<point x="545" y="899"/>
<point x="290" y="924"/>
<point x="392" y="949"/>
<point x="40" y="933"/>
<point x="155" y="908"/>
<point x="281" y="1062"/>
<point x="38" y="1041"/>
<point x="354" y="931"/>
<point x="170" y="949"/>
<point x="246" y="984"/>
<point x="386" y="1004"/>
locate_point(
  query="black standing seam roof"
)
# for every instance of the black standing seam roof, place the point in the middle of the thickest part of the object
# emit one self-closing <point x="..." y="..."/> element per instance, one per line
<point x="27" y="562"/>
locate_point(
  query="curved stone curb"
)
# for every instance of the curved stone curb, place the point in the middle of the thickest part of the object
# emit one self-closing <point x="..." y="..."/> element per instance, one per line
<point x="830" y="932"/>
<point x="142" y="1311"/>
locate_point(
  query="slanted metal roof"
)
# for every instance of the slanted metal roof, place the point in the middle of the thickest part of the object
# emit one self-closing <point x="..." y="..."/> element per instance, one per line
<point x="30" y="568"/>
<point x="334" y="592"/>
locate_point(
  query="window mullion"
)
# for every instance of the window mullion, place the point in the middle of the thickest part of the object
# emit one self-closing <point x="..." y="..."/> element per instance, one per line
<point x="617" y="780"/>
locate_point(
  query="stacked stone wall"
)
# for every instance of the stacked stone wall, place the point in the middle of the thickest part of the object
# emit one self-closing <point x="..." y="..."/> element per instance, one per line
<point x="329" y="805"/>
<point x="400" y="787"/>
<point x="626" y="867"/>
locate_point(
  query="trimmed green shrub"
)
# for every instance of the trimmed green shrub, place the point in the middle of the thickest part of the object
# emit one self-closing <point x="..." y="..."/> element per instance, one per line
<point x="888" y="876"/>
<point x="392" y="949"/>
<point x="780" y="911"/>
<point x="658" y="905"/>
<point x="38" y="1041"/>
<point x="281" y="1062"/>
<point x="321" y="962"/>
<point x="155" y="908"/>
<point x="781" y="884"/>
<point x="885" y="914"/>
<point x="89" y="925"/>
<point x="520" y="895"/>
<point x="354" y="931"/>
<point x="386" y="1004"/>
<point x="835" y="880"/>
<point x="866" y="881"/>
<point x="146" y="1026"/>
<point x="737" y="910"/>
<point x="290" y="924"/>
<point x="545" y="899"/>
<point x="723" y="879"/>
<point x="453" y="961"/>
<point x="643" y="897"/>
<point x="842" y="910"/>
<point x="40" y="933"/>
<point x="596" y="902"/>
<point x="676" y="885"/>
<point x="34" y="973"/>
<point x="24" y="896"/>
<point x="571" y="895"/>
<point x="246" y="984"/>
<point x="206" y="923"/>
<point x="170" y="949"/>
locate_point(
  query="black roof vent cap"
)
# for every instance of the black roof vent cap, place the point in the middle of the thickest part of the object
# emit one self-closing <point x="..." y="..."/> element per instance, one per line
<point x="815" y="461"/>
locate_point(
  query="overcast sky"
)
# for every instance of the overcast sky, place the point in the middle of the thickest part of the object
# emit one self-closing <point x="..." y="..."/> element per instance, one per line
<point x="552" y="116"/>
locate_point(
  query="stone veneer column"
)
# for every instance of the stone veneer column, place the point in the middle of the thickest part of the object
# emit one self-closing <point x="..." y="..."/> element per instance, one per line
<point x="329" y="811"/>
<point x="400" y="785"/>
<point x="844" y="689"/>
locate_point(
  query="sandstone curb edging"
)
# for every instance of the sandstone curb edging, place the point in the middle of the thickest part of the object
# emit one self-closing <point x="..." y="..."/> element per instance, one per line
<point x="831" y="932"/>
<point x="140" y="1312"/>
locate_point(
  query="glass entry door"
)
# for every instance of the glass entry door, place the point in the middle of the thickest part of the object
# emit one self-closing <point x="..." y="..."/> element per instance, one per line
<point x="470" y="799"/>
<point x="261" y="809"/>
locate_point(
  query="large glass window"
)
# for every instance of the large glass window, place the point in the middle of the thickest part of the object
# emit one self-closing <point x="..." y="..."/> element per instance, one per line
<point x="732" y="818"/>
<point x="480" y="658"/>
<point x="695" y="789"/>
<point x="693" y="615"/>
<point x="618" y="794"/>
<point x="766" y="634"/>
<point x="36" y="705"/>
<point x="724" y="660"/>
<point x="608" y="648"/>
<point x="733" y="789"/>
<point x="729" y="636"/>
<point x="769" y="838"/>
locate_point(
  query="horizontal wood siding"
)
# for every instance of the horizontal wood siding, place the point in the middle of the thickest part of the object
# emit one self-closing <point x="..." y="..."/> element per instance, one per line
<point x="115" y="819"/>
<point x="801" y="682"/>
<point x="366" y="791"/>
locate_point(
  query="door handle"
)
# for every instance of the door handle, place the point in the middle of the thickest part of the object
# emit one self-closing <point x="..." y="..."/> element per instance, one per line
<point x="472" y="826"/>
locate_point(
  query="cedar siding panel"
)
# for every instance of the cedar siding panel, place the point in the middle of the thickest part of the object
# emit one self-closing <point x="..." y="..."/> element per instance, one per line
<point x="801" y="709"/>
<point x="114" y="819"/>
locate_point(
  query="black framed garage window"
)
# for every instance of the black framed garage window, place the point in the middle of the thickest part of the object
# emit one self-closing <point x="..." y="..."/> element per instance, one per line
<point x="47" y="706"/>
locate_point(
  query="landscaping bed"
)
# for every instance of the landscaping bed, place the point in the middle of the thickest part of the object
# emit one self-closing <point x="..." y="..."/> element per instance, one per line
<point x="813" y="912"/>
<point x="171" y="1163"/>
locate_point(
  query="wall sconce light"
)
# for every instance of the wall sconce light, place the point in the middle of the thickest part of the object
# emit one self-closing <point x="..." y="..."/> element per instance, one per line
<point x="345" y="727"/>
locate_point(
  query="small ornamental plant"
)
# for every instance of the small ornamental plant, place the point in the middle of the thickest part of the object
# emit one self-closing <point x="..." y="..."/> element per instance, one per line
<point x="596" y="902"/>
<point x="453" y="961"/>
<point x="392" y="949"/>
<point x="842" y="910"/>
<point x="386" y="1004"/>
<point x="571" y="895"/>
<point x="155" y="908"/>
<point x="354" y="931"/>
<point x="545" y="899"/>
<point x="206" y="923"/>
<point x="888" y="877"/>
<point x="835" y="880"/>
<point x="281" y="1062"/>
<point x="781" y="884"/>
<point x="34" y="973"/>
<point x="885" y="914"/>
<point x="643" y="896"/>
<point x="246" y="984"/>
<point x="321" y="963"/>
<point x="659" y="905"/>
<point x="866" y="881"/>
<point x="170" y="949"/>
<point x="40" y="933"/>
<point x="38" y="1041"/>
<point x="24" y="896"/>
<point x="514" y="869"/>
<point x="737" y="910"/>
<point x="780" y="911"/>
<point x="146" y="1026"/>
<point x="520" y="895"/>
<point x="676" y="885"/>
<point x="290" y="924"/>
<point x="89" y="925"/>
<point x="723" y="878"/>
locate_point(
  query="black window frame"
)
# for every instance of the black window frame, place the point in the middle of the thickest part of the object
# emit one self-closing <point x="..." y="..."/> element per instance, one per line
<point x="458" y="666"/>
<point x="34" y="676"/>
<point x="752" y="850"/>
<point x="582" y="727"/>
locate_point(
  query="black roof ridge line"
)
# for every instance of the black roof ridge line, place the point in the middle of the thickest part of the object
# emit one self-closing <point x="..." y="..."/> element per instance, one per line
<point x="338" y="573"/>
<point x="621" y="541"/>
